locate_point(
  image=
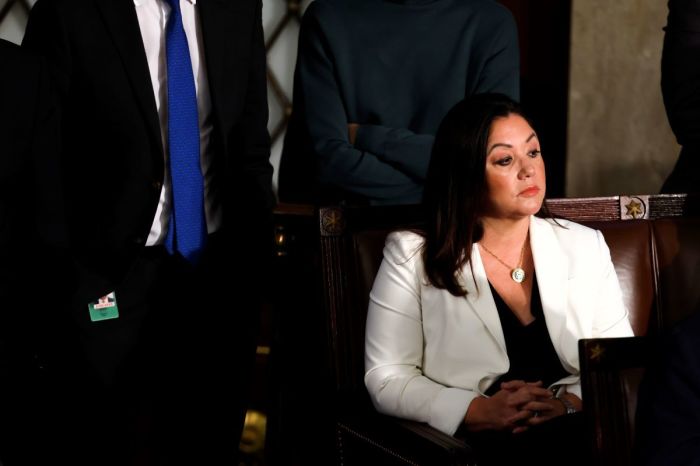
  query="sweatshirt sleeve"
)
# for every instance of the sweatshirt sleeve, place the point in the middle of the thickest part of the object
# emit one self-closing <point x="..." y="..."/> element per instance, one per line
<point x="498" y="70"/>
<point x="400" y="147"/>
<point x="338" y="162"/>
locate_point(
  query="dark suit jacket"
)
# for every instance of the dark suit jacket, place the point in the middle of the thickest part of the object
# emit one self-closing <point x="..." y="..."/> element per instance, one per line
<point x="19" y="92"/>
<point x="680" y="84"/>
<point x="28" y="217"/>
<point x="112" y="161"/>
<point x="112" y="167"/>
<point x="112" y="156"/>
<point x="668" y="413"/>
<point x="27" y="135"/>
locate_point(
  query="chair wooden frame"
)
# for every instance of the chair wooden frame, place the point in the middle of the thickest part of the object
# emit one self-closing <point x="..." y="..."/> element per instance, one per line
<point x="611" y="371"/>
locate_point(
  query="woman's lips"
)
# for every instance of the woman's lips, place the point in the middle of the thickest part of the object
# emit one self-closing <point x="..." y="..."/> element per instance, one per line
<point x="531" y="191"/>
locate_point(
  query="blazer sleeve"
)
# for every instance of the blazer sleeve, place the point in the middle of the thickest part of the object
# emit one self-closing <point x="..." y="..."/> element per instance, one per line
<point x="394" y="346"/>
<point x="339" y="163"/>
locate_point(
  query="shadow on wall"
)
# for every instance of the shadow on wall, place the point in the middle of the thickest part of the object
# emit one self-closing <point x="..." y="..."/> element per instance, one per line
<point x="619" y="139"/>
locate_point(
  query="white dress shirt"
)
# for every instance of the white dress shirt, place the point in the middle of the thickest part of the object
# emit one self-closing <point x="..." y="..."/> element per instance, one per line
<point x="153" y="16"/>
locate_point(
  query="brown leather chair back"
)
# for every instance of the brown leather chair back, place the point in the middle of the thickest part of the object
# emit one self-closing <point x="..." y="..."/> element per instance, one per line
<point x="631" y="249"/>
<point x="677" y="244"/>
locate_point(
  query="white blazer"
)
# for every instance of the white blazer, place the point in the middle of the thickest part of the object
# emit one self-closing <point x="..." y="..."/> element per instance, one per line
<point x="428" y="353"/>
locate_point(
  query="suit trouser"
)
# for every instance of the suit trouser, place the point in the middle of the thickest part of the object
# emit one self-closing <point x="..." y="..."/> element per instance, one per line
<point x="166" y="382"/>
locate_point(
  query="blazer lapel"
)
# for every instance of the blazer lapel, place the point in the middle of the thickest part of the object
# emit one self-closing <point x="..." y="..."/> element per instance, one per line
<point x="481" y="300"/>
<point x="120" y="18"/>
<point x="552" y="269"/>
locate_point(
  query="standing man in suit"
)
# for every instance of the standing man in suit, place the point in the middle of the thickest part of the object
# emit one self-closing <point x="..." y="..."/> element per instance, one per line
<point x="167" y="187"/>
<point x="27" y="132"/>
<point x="680" y="85"/>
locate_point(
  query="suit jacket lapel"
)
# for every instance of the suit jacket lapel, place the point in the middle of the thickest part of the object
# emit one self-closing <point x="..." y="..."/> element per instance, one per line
<point x="552" y="269"/>
<point x="482" y="301"/>
<point x="214" y="18"/>
<point x="120" y="18"/>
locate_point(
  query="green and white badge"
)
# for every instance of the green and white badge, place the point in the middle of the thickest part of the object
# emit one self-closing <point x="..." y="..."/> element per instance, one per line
<point x="104" y="308"/>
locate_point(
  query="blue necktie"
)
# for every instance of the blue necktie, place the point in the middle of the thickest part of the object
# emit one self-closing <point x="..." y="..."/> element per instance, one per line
<point x="188" y="230"/>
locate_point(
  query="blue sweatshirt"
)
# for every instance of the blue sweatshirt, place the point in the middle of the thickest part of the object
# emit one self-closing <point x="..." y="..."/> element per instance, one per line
<point x="395" y="68"/>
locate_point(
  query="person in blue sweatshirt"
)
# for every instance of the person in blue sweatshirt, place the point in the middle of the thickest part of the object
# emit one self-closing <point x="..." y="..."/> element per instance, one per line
<point x="373" y="80"/>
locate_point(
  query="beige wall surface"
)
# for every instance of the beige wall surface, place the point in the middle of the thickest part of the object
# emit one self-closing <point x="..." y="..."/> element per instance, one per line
<point x="619" y="140"/>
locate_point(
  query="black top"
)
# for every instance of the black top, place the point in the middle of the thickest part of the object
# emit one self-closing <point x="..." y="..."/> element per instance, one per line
<point x="530" y="350"/>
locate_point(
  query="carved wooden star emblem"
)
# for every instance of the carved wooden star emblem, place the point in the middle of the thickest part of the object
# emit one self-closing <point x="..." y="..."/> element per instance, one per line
<point x="635" y="209"/>
<point x="597" y="353"/>
<point x="333" y="222"/>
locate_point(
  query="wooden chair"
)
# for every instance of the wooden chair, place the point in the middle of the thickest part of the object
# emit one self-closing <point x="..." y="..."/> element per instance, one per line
<point x="348" y="255"/>
<point x="611" y="371"/>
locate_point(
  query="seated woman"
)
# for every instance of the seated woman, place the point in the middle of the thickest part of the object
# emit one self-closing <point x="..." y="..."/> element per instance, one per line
<point x="474" y="320"/>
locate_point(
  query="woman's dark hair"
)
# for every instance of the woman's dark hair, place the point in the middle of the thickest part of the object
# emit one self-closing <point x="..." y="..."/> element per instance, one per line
<point x="455" y="187"/>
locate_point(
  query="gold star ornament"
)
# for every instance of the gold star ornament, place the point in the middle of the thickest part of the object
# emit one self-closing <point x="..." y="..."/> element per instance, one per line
<point x="634" y="207"/>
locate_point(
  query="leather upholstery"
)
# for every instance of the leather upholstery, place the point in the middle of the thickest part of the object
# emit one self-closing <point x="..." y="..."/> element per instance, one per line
<point x="630" y="244"/>
<point x="678" y="267"/>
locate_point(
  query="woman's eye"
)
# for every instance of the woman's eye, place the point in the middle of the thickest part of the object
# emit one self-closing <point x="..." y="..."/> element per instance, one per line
<point x="504" y="161"/>
<point x="534" y="153"/>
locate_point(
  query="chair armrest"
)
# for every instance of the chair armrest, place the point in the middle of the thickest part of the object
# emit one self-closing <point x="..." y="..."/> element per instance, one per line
<point x="388" y="440"/>
<point x="611" y="372"/>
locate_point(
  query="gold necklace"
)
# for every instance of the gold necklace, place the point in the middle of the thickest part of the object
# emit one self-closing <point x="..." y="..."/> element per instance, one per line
<point x="516" y="273"/>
